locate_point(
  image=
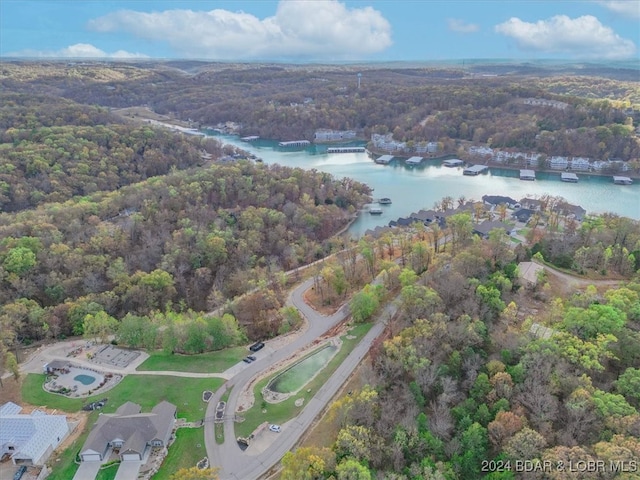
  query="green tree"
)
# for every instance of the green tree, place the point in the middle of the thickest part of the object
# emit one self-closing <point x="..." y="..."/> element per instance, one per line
<point x="307" y="463"/>
<point x="100" y="325"/>
<point x="364" y="304"/>
<point x="350" y="469"/>
<point x="11" y="364"/>
<point x="628" y="384"/>
<point x="19" y="260"/>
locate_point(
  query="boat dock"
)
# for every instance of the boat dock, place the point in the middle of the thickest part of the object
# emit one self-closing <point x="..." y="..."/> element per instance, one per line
<point x="250" y="138"/>
<point x="622" y="180"/>
<point x="384" y="159"/>
<point x="345" y="150"/>
<point x="527" y="175"/>
<point x="413" y="161"/>
<point x="295" y="143"/>
<point x="453" y="162"/>
<point x="569" y="177"/>
<point x="475" y="170"/>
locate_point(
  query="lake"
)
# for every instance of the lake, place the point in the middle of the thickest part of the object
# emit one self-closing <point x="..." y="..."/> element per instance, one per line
<point x="412" y="188"/>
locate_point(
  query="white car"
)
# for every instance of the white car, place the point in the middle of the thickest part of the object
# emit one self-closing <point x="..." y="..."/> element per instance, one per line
<point x="275" y="428"/>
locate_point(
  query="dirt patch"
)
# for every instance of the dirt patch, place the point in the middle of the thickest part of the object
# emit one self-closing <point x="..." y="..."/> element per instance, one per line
<point x="11" y="390"/>
<point x="313" y="299"/>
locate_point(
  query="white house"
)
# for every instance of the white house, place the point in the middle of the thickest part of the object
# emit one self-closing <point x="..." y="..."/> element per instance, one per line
<point x="29" y="439"/>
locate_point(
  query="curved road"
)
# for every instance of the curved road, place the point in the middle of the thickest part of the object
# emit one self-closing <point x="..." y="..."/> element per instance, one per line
<point x="235" y="464"/>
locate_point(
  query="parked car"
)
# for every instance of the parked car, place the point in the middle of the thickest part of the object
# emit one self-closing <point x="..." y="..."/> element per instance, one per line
<point x="252" y="358"/>
<point x="256" y="346"/>
<point x="275" y="428"/>
<point x="247" y="360"/>
<point x="20" y="472"/>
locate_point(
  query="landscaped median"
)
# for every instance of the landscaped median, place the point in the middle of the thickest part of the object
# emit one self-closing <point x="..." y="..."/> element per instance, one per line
<point x="263" y="411"/>
<point x="145" y="390"/>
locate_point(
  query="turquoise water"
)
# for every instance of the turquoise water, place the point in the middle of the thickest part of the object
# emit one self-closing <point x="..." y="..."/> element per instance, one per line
<point x="85" y="379"/>
<point x="415" y="188"/>
<point x="294" y="378"/>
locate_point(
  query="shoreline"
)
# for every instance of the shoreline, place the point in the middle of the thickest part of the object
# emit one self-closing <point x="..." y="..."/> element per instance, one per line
<point x="504" y="166"/>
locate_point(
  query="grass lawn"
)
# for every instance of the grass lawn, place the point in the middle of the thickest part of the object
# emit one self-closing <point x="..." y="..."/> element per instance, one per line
<point x="184" y="452"/>
<point x="65" y="468"/>
<point x="210" y="362"/>
<point x="283" y="411"/>
<point x="108" y="473"/>
<point x="146" y="390"/>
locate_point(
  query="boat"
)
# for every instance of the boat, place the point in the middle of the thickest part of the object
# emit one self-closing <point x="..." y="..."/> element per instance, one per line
<point x="385" y="201"/>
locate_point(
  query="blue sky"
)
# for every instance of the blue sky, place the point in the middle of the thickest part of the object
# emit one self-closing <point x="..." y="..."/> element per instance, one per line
<point x="322" y="30"/>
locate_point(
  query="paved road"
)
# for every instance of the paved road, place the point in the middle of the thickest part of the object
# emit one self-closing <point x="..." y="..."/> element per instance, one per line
<point x="235" y="464"/>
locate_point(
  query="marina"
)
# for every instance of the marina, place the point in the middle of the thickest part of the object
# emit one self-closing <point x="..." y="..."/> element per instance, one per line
<point x="474" y="170"/>
<point x="618" y="180"/>
<point x="453" y="162"/>
<point x="569" y="177"/>
<point x="345" y="149"/>
<point x="421" y="186"/>
<point x="529" y="175"/>
<point x="295" y="143"/>
<point x="384" y="159"/>
<point x="413" y="161"/>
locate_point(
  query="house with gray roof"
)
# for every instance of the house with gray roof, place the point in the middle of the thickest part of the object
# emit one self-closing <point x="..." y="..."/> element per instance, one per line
<point x="485" y="227"/>
<point x="130" y="432"/>
<point x="29" y="439"/>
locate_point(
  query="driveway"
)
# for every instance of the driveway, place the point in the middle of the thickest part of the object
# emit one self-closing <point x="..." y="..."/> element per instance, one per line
<point x="87" y="470"/>
<point x="128" y="470"/>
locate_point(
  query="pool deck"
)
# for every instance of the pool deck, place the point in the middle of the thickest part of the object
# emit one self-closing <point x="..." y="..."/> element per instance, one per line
<point x="77" y="388"/>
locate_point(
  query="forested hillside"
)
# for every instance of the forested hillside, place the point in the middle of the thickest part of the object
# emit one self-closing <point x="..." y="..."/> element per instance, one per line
<point x="53" y="149"/>
<point x="483" y="374"/>
<point x="184" y="240"/>
<point x="415" y="104"/>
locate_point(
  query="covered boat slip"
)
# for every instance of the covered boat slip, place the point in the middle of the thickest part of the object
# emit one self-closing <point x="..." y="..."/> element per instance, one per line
<point x="475" y="170"/>
<point x="569" y="177"/>
<point x="618" y="180"/>
<point x="527" y="175"/>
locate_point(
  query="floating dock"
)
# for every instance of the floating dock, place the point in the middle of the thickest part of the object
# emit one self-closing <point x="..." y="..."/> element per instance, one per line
<point x="295" y="143"/>
<point x="529" y="175"/>
<point x="375" y="210"/>
<point x="453" y="162"/>
<point x="413" y="161"/>
<point x="384" y="159"/>
<point x="345" y="150"/>
<point x="622" y="180"/>
<point x="569" y="177"/>
<point x="250" y="138"/>
<point x="475" y="170"/>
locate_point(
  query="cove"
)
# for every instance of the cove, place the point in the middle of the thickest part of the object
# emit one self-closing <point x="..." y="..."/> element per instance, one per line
<point x="412" y="188"/>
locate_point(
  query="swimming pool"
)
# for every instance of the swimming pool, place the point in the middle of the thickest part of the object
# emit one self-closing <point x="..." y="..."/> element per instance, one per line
<point x="85" y="379"/>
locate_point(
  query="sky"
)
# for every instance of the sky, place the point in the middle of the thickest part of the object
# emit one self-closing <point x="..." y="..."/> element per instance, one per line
<point x="322" y="30"/>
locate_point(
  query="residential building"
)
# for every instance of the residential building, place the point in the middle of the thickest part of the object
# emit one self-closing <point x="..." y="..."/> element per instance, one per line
<point x="29" y="439"/>
<point x="130" y="432"/>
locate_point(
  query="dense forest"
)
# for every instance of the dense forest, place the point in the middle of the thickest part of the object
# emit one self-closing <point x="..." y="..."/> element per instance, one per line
<point x="467" y="384"/>
<point x="415" y="104"/>
<point x="190" y="239"/>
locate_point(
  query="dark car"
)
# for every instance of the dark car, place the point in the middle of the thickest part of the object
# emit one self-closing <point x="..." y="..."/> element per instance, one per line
<point x="251" y="357"/>
<point x="247" y="360"/>
<point x="256" y="346"/>
<point x="18" y="475"/>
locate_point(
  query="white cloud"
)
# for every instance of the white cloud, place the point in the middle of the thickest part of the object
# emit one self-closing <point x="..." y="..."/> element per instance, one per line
<point x="324" y="29"/>
<point x="78" y="50"/>
<point x="627" y="8"/>
<point x="582" y="37"/>
<point x="460" y="26"/>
